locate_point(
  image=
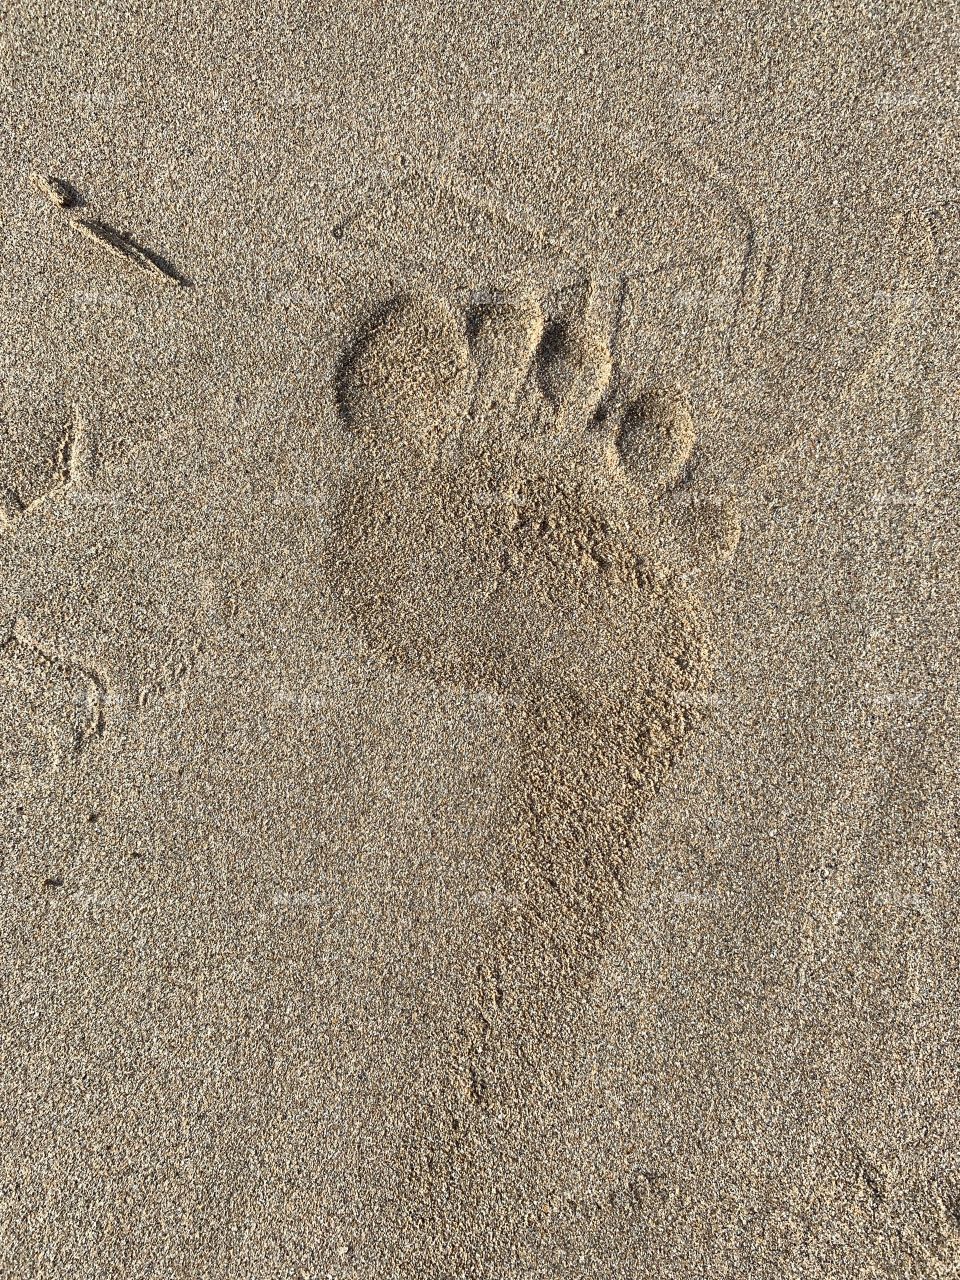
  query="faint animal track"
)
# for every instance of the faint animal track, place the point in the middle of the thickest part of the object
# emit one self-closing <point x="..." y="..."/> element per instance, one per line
<point x="810" y="310"/>
<point x="45" y="689"/>
<point x="80" y="573"/>
<point x="938" y="229"/>
<point x="173" y="676"/>
<point x="60" y="474"/>
<point x="515" y="520"/>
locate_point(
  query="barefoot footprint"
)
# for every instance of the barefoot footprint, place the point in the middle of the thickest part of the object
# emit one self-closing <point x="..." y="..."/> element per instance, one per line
<point x="516" y="520"/>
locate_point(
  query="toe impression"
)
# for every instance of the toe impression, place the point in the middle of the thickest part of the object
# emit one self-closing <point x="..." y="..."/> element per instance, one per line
<point x="655" y="439"/>
<point x="404" y="381"/>
<point x="503" y="339"/>
<point x="574" y="362"/>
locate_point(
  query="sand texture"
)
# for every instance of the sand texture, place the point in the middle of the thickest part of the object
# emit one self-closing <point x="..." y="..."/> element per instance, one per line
<point x="479" y="643"/>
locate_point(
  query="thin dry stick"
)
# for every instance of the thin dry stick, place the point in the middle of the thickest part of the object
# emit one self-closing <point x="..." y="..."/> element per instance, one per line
<point x="116" y="243"/>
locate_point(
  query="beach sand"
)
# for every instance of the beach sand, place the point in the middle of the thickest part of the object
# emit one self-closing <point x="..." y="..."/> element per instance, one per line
<point x="478" y="642"/>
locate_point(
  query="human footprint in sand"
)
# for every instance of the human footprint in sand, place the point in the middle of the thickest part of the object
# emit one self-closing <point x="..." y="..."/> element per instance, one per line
<point x="519" y="520"/>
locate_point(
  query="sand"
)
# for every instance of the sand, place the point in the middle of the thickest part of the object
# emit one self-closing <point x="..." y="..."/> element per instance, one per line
<point x="478" y="643"/>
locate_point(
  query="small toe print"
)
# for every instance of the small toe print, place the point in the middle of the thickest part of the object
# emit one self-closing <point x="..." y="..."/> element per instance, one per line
<point x="503" y="339"/>
<point x="706" y="531"/>
<point x="574" y="364"/>
<point x="656" y="437"/>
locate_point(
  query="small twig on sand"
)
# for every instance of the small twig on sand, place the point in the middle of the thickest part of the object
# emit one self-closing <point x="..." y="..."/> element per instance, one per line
<point x="115" y="242"/>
